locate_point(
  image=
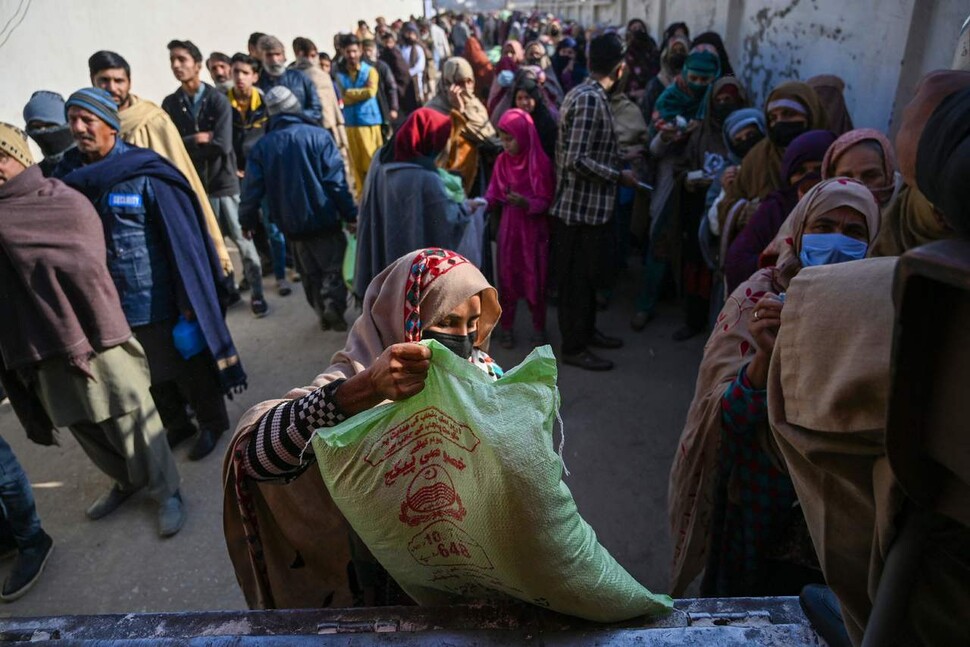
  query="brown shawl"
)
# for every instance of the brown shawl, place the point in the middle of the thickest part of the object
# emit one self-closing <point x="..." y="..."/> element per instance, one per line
<point x="930" y="93"/>
<point x="909" y="221"/>
<point x="484" y="71"/>
<point x="270" y="526"/>
<point x="693" y="476"/>
<point x="58" y="298"/>
<point x="830" y="89"/>
<point x="760" y="172"/>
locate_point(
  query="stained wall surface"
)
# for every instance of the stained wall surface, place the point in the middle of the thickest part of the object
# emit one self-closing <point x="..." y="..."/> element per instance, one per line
<point x="879" y="47"/>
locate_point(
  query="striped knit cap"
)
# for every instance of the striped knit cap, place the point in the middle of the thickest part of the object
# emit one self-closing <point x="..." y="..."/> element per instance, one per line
<point x="97" y="101"/>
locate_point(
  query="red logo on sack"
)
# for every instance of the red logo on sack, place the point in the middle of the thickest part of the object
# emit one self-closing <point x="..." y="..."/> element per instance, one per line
<point x="426" y="426"/>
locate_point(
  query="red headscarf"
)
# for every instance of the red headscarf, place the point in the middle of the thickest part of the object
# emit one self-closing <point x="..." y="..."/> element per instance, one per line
<point x="530" y="173"/>
<point x="423" y="134"/>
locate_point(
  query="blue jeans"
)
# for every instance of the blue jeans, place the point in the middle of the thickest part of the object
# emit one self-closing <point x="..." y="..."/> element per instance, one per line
<point x="17" y="499"/>
<point x="226" y="209"/>
<point x="277" y="246"/>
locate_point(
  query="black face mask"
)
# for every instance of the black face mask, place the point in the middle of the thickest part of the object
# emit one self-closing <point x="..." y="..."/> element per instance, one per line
<point x="460" y="345"/>
<point x="720" y="111"/>
<point x="744" y="147"/>
<point x="53" y="141"/>
<point x="676" y="61"/>
<point x="783" y="132"/>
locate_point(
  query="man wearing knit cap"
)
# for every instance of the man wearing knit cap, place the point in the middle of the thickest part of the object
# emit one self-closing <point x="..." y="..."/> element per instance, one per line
<point x="164" y="266"/>
<point x="44" y="117"/>
<point x="274" y="73"/>
<point x="75" y="365"/>
<point x="587" y="166"/>
<point x="296" y="166"/>
<point x="146" y="125"/>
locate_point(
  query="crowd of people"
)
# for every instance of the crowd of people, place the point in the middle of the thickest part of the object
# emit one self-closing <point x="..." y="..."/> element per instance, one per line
<point x="459" y="152"/>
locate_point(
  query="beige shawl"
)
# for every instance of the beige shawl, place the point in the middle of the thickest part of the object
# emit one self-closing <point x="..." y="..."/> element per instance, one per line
<point x="694" y="474"/>
<point x="146" y="125"/>
<point x="469" y="128"/>
<point x="332" y="115"/>
<point x="827" y="412"/>
<point x="269" y="526"/>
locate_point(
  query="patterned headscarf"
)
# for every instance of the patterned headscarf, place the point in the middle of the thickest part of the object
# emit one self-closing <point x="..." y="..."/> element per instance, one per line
<point x="427" y="266"/>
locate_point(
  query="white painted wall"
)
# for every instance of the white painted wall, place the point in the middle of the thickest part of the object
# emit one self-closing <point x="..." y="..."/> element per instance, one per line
<point x="879" y="47"/>
<point x="48" y="42"/>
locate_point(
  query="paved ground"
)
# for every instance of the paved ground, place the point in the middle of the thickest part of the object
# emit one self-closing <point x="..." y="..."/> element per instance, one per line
<point x="621" y="431"/>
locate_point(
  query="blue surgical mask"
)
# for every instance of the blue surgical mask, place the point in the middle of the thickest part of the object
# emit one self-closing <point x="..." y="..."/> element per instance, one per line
<point x="829" y="249"/>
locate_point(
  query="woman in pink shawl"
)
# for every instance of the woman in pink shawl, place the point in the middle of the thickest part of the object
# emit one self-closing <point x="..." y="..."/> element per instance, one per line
<point x="522" y="185"/>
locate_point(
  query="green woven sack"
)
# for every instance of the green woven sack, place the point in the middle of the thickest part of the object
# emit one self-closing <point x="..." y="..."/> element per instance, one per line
<point x="350" y="259"/>
<point x="458" y="492"/>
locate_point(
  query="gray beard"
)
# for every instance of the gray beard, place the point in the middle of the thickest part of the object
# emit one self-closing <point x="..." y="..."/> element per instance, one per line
<point x="224" y="86"/>
<point x="275" y="70"/>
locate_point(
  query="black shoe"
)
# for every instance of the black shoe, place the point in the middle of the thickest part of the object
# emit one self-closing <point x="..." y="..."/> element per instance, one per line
<point x="259" y="307"/>
<point x="334" y="318"/>
<point x="171" y="515"/>
<point x="244" y="285"/>
<point x="204" y="445"/>
<point x="108" y="502"/>
<point x="600" y="340"/>
<point x="587" y="360"/>
<point x="178" y="436"/>
<point x="822" y="610"/>
<point x="27" y="568"/>
<point x="685" y="333"/>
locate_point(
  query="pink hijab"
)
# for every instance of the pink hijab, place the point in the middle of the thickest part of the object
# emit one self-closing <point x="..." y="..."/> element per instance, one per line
<point x="530" y="173"/>
<point x="513" y="63"/>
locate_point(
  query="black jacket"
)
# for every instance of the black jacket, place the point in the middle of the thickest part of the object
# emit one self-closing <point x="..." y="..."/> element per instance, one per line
<point x="387" y="95"/>
<point x="215" y="162"/>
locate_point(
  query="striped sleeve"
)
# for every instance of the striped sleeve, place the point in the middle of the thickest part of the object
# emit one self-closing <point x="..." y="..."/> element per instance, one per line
<point x="281" y="440"/>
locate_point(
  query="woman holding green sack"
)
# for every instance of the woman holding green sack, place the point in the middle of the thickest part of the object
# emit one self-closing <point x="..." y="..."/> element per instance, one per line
<point x="287" y="540"/>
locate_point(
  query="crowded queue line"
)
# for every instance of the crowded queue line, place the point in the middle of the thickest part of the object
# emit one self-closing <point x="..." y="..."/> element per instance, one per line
<point x="587" y="149"/>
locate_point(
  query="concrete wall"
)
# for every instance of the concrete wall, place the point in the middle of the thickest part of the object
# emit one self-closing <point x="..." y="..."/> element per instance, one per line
<point x="879" y="47"/>
<point x="48" y="42"/>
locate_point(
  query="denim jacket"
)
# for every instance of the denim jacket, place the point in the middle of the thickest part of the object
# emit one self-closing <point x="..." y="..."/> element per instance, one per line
<point x="139" y="259"/>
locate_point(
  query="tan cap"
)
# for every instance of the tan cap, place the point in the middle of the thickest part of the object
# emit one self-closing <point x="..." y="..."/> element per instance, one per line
<point x="13" y="142"/>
